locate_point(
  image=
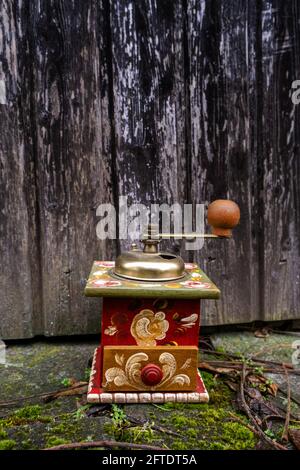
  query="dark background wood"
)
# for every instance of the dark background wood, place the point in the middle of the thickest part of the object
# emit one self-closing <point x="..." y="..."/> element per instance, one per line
<point x="162" y="101"/>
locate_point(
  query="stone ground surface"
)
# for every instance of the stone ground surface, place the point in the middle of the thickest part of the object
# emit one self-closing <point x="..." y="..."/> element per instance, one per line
<point x="276" y="347"/>
<point x="39" y="367"/>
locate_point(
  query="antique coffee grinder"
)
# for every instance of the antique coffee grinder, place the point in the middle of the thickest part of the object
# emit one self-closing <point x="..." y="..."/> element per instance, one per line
<point x="150" y="319"/>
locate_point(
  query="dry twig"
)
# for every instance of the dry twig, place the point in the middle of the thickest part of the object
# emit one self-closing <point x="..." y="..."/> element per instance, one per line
<point x="45" y="396"/>
<point x="285" y="434"/>
<point x="273" y="444"/>
<point x="109" y="444"/>
<point x="153" y="426"/>
<point x="254" y="359"/>
<point x="277" y="418"/>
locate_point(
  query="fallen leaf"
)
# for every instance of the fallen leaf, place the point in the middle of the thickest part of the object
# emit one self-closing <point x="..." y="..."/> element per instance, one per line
<point x="256" y="380"/>
<point x="272" y="389"/>
<point x="232" y="385"/>
<point x="216" y="370"/>
<point x="253" y="393"/>
<point x="261" y="333"/>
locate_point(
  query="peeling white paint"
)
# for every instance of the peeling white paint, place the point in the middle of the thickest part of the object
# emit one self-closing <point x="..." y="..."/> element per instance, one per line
<point x="2" y="92"/>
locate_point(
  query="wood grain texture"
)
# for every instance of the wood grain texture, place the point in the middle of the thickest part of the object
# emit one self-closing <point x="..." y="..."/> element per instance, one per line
<point x="149" y="100"/>
<point x="161" y="101"/>
<point x="74" y="148"/>
<point x="222" y="109"/>
<point x="19" y="254"/>
<point x="280" y="126"/>
<point x="56" y="152"/>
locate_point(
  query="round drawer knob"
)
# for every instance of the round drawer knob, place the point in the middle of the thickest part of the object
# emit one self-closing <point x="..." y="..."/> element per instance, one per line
<point x="151" y="374"/>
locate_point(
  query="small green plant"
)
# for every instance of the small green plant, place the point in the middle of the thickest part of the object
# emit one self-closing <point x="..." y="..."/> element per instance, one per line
<point x="122" y="429"/>
<point x="259" y="370"/>
<point x="119" y="421"/>
<point x="246" y="360"/>
<point x="143" y="433"/>
<point x="80" y="413"/>
<point x="66" y="382"/>
<point x="87" y="373"/>
<point x="270" y="433"/>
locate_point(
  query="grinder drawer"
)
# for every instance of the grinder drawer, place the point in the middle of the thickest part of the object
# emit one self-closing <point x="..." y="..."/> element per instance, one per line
<point x="162" y="368"/>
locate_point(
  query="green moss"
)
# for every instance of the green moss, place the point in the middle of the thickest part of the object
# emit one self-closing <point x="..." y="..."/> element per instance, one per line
<point x="141" y="434"/>
<point x="29" y="412"/>
<point x="42" y="354"/>
<point x="3" y="434"/>
<point x="207" y="426"/>
<point x="192" y="433"/>
<point x="294" y="426"/>
<point x="27" y="444"/>
<point x="7" y="444"/>
<point x="127" y="433"/>
<point x="61" y="428"/>
<point x="55" y="441"/>
<point x="215" y="445"/>
<point x="121" y="429"/>
<point x="200" y="426"/>
<point x="182" y="421"/>
<point x="26" y="415"/>
<point x="66" y="427"/>
<point x="219" y="432"/>
<point x="180" y="445"/>
<point x="172" y="406"/>
<point x="237" y="436"/>
<point x="219" y="393"/>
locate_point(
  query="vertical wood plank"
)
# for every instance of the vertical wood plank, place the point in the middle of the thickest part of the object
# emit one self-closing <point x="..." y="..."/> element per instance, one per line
<point x="20" y="304"/>
<point x="223" y="117"/>
<point x="280" y="123"/>
<point x="74" y="155"/>
<point x="149" y="100"/>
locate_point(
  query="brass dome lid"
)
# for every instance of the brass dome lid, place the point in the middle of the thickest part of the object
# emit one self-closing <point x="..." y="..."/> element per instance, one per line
<point x="149" y="265"/>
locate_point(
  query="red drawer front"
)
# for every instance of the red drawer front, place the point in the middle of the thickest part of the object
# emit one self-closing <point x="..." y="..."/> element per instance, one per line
<point x="150" y="322"/>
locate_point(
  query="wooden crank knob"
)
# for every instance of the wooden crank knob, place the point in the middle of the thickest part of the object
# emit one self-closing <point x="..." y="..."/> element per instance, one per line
<point x="151" y="374"/>
<point x="223" y="215"/>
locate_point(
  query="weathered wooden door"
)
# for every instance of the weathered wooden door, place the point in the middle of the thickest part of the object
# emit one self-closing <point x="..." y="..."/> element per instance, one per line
<point x="161" y="101"/>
